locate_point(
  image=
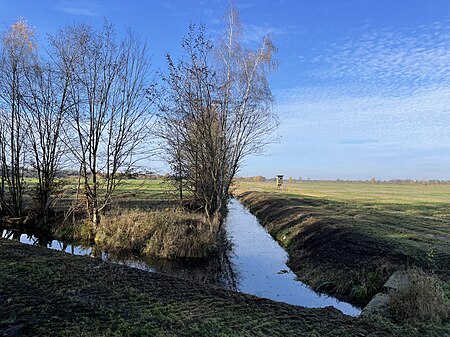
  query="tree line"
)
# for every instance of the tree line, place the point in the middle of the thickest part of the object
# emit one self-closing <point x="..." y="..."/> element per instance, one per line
<point x="88" y="102"/>
<point x="372" y="181"/>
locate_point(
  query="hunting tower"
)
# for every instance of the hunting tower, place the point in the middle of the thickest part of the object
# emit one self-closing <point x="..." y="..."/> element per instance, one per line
<point x="279" y="181"/>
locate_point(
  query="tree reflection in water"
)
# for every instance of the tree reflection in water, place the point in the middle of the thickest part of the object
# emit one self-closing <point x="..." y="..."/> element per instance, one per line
<point x="217" y="270"/>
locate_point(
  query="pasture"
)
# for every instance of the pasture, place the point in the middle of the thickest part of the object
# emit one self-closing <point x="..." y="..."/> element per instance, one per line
<point x="347" y="238"/>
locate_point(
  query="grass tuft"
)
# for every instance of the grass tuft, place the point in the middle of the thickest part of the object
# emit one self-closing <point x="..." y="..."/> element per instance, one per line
<point x="81" y="230"/>
<point x="163" y="234"/>
<point x="422" y="300"/>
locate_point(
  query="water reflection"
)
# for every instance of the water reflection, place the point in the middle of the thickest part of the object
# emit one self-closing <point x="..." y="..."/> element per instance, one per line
<point x="253" y="263"/>
<point x="46" y="241"/>
<point x="261" y="262"/>
<point x="217" y="271"/>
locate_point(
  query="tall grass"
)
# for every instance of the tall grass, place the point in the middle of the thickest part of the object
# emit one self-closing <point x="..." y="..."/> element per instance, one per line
<point x="422" y="300"/>
<point x="163" y="234"/>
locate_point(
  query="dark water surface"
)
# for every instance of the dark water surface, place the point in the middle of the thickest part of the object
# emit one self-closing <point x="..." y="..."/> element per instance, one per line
<point x="255" y="263"/>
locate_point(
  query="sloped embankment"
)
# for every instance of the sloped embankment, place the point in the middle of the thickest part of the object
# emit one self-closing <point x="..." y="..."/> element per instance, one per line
<point x="324" y="252"/>
<point x="49" y="293"/>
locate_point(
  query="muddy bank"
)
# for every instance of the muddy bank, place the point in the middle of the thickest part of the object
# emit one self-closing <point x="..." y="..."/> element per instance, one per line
<point x="324" y="252"/>
<point x="44" y="292"/>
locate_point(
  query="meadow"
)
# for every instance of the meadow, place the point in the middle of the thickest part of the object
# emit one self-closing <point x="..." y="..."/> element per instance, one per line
<point x="346" y="238"/>
<point x="343" y="239"/>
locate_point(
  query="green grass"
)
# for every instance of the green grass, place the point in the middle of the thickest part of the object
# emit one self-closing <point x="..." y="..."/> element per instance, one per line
<point x="414" y="218"/>
<point x="345" y="239"/>
<point x="361" y="192"/>
<point x="49" y="293"/>
<point x="131" y="193"/>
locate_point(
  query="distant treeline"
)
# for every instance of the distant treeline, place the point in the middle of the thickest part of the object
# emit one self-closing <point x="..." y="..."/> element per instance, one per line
<point x="373" y="181"/>
<point x="31" y="173"/>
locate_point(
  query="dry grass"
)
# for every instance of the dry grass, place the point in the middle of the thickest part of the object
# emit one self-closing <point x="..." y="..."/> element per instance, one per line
<point x="164" y="234"/>
<point x="80" y="231"/>
<point x="423" y="300"/>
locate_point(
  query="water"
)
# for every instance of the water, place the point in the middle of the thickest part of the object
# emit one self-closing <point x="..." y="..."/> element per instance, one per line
<point x="255" y="264"/>
<point x="261" y="264"/>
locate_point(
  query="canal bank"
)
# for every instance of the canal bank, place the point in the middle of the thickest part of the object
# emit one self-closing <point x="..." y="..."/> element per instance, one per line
<point x="253" y="263"/>
<point x="44" y="292"/>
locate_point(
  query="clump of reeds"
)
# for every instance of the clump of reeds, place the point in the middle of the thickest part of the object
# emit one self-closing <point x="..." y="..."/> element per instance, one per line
<point x="164" y="234"/>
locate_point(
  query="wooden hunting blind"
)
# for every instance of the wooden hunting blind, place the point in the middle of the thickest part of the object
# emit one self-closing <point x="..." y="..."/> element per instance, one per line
<point x="279" y="180"/>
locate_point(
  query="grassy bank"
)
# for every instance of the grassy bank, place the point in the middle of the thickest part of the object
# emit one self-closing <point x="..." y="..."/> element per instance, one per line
<point x="346" y="239"/>
<point x="144" y="218"/>
<point x="172" y="233"/>
<point x="48" y="293"/>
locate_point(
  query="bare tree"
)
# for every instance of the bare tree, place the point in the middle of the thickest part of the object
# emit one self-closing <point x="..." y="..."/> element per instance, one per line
<point x="217" y="111"/>
<point x="248" y="121"/>
<point x="110" y="108"/>
<point x="17" y="56"/>
<point x="190" y="122"/>
<point x="46" y="100"/>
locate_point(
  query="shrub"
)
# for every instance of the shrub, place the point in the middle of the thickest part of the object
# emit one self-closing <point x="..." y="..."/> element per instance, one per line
<point x="422" y="300"/>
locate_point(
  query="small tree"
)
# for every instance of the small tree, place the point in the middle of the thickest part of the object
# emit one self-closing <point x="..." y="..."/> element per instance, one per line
<point x="16" y="59"/>
<point x="110" y="108"/>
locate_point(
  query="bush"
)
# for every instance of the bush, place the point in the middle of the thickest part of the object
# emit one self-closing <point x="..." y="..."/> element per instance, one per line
<point x="162" y="234"/>
<point x="422" y="300"/>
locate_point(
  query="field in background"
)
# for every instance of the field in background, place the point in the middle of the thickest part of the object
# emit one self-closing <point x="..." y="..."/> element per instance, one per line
<point x="346" y="238"/>
<point x="131" y="193"/>
<point x="413" y="215"/>
<point x="361" y="192"/>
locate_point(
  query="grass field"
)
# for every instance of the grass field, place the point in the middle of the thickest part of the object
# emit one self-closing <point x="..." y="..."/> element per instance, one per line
<point x="342" y="239"/>
<point x="367" y="230"/>
<point x="131" y="193"/>
<point x="417" y="217"/>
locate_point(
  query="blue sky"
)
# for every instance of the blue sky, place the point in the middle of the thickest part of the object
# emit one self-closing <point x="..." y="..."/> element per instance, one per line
<point x="363" y="86"/>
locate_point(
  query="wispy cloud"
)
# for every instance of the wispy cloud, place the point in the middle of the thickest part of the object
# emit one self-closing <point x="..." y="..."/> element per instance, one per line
<point x="417" y="121"/>
<point x="390" y="86"/>
<point x="82" y="8"/>
<point x="255" y="33"/>
<point x="408" y="57"/>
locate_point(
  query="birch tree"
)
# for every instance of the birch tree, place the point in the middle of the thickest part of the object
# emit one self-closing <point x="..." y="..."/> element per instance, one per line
<point x="17" y="56"/>
<point x="218" y="108"/>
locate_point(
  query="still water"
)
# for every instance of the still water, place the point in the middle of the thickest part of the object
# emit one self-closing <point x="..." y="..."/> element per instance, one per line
<point x="254" y="264"/>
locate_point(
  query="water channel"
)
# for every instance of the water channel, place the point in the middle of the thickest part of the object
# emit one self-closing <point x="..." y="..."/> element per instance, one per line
<point x="254" y="264"/>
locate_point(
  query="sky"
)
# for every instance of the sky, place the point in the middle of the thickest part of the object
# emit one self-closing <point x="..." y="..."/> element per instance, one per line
<point x="362" y="89"/>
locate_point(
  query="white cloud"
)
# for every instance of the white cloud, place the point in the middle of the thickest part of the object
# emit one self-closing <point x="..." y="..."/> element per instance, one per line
<point x="417" y="121"/>
<point x="255" y="33"/>
<point x="387" y="88"/>
<point x="83" y="8"/>
<point x="417" y="55"/>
